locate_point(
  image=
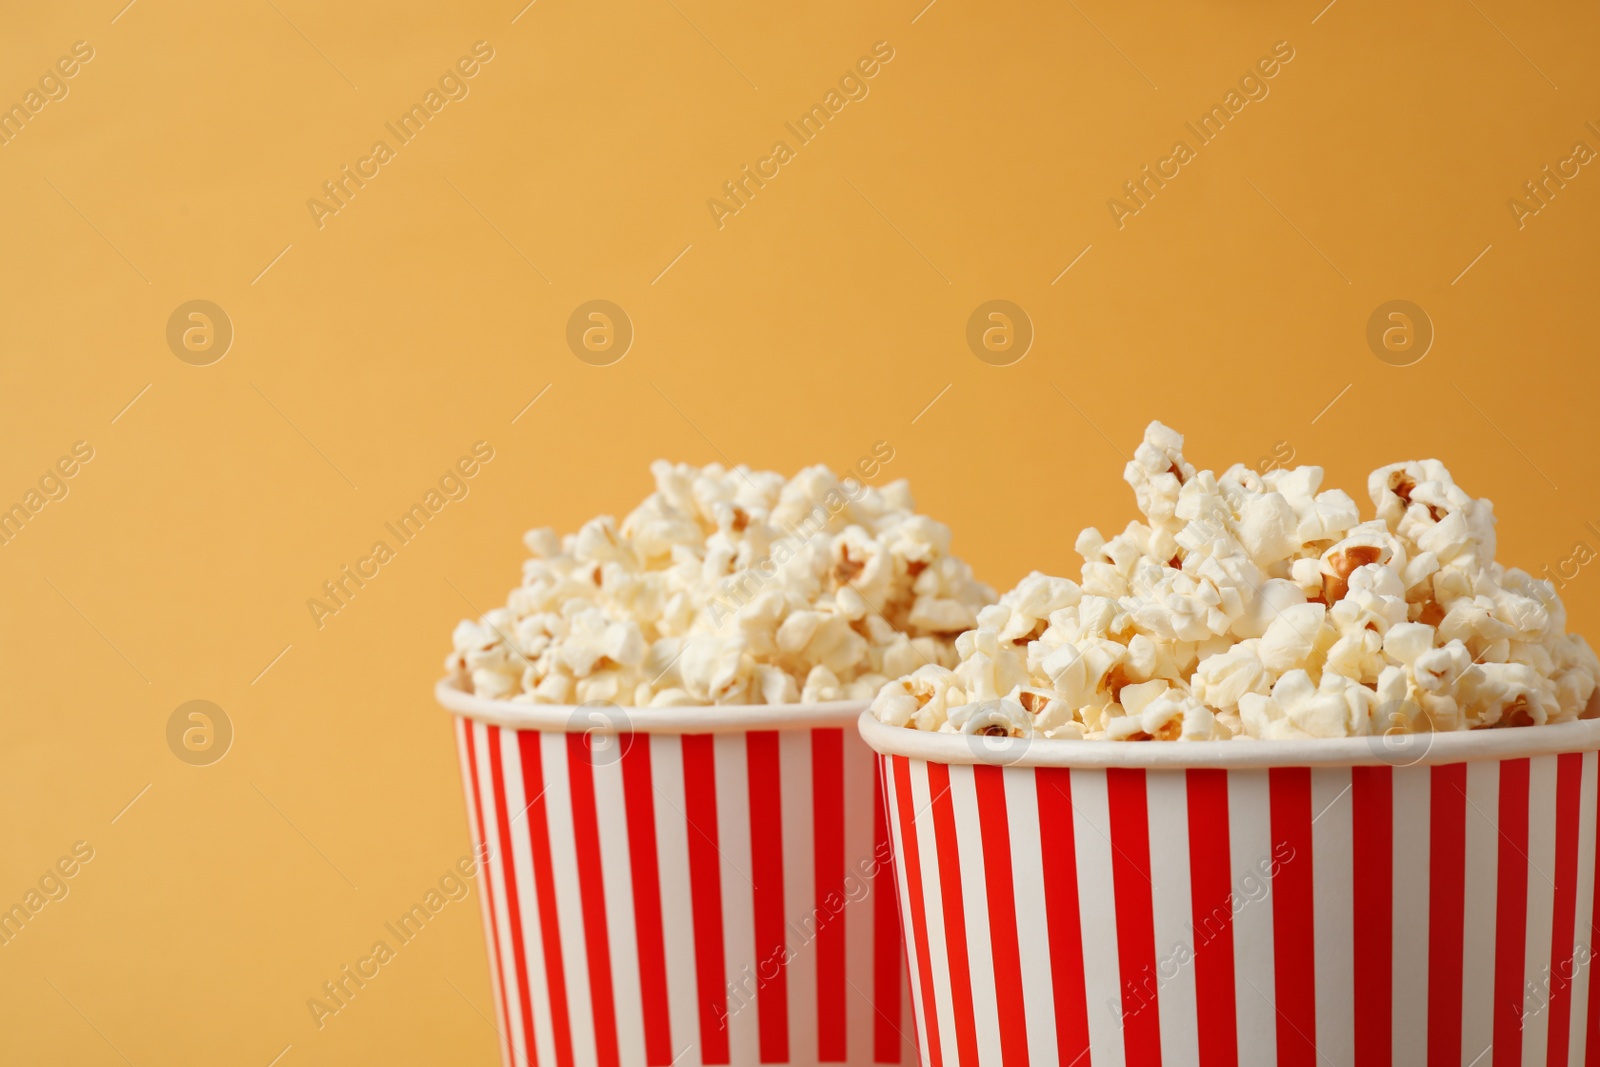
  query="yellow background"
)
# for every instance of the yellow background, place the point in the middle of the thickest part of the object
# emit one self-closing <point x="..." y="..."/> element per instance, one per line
<point x="822" y="318"/>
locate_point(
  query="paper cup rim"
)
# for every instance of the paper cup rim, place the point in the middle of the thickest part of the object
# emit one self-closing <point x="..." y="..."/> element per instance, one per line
<point x="1395" y="750"/>
<point x="616" y="718"/>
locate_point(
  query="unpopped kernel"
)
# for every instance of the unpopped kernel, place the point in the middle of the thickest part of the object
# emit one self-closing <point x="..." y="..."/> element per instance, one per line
<point x="728" y="587"/>
<point x="1251" y="605"/>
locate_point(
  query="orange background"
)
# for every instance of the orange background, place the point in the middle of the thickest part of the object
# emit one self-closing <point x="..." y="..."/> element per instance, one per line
<point x="825" y="316"/>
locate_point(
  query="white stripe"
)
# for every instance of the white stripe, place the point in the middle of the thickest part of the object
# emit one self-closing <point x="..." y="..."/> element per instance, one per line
<point x="474" y="800"/>
<point x="1333" y="893"/>
<point x="499" y="865"/>
<point x="1167" y="794"/>
<point x="908" y="1025"/>
<point x="933" y="909"/>
<point x="902" y="887"/>
<point x="536" y="978"/>
<point x="1097" y="910"/>
<point x="1541" y="908"/>
<point x="801" y="913"/>
<point x="1583" y="915"/>
<point x="1413" y="816"/>
<point x="738" y="891"/>
<point x="1478" y="922"/>
<point x="677" y="901"/>
<point x="974" y="897"/>
<point x="1032" y="911"/>
<point x="860" y="1012"/>
<point x="569" y="895"/>
<point x="611" y="814"/>
<point x="1250" y="856"/>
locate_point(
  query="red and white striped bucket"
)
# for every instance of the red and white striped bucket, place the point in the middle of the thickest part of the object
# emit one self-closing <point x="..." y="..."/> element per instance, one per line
<point x="1298" y="903"/>
<point x="683" y="886"/>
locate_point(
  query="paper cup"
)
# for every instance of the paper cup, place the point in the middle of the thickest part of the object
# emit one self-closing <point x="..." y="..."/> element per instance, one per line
<point x="1392" y="900"/>
<point x="682" y="886"/>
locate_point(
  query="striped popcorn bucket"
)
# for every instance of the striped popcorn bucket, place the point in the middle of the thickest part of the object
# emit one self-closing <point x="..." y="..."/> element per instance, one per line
<point x="682" y="886"/>
<point x="1401" y="900"/>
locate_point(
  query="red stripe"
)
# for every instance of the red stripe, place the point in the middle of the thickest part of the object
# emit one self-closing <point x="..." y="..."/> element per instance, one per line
<point x="1591" y="1045"/>
<point x="544" y="885"/>
<point x="766" y="868"/>
<point x="1058" y="853"/>
<point x="827" y="873"/>
<point x="591" y="883"/>
<point x="1136" y="927"/>
<point x="1211" y="898"/>
<point x="955" y="915"/>
<point x="1511" y="913"/>
<point x="705" y="886"/>
<point x="1294" y="946"/>
<point x="508" y="868"/>
<point x="484" y="852"/>
<point x="1563" y="945"/>
<point x="887" y="951"/>
<point x="638" y="786"/>
<point x="1447" y="887"/>
<point x="911" y="854"/>
<point x="1001" y="907"/>
<point x="1372" y="878"/>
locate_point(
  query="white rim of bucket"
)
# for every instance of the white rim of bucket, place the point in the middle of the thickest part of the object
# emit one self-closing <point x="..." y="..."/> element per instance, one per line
<point x="604" y="717"/>
<point x="1394" y="750"/>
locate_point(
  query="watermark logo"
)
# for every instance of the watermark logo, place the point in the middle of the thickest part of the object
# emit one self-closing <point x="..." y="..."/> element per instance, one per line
<point x="1000" y="333"/>
<point x="1395" y="740"/>
<point x="1400" y="333"/>
<point x="606" y="728"/>
<point x="1542" y="188"/>
<point x="199" y="733"/>
<point x="1279" y="458"/>
<point x="52" y="486"/>
<point x="453" y="486"/>
<point x="453" y="886"/>
<point x="1140" y="191"/>
<point x="599" y="333"/>
<point x="1142" y="990"/>
<point x="454" y="85"/>
<point x="1558" y="575"/>
<point x="53" y="886"/>
<point x="199" y="332"/>
<point x="858" y="883"/>
<point x="853" y="86"/>
<point x="737" y="590"/>
<point x="52" y="88"/>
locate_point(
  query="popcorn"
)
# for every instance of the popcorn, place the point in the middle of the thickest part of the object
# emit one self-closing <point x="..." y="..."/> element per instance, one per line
<point x="1301" y="707"/>
<point x="993" y="718"/>
<point x="1261" y="606"/>
<point x="733" y="586"/>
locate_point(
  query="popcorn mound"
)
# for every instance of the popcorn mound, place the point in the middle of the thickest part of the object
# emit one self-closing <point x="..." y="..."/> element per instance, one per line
<point x="728" y="587"/>
<point x="1253" y="606"/>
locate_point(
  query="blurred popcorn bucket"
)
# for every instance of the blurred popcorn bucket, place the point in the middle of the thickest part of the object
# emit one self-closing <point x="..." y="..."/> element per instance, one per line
<point x="1408" y="899"/>
<point x="682" y="886"/>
